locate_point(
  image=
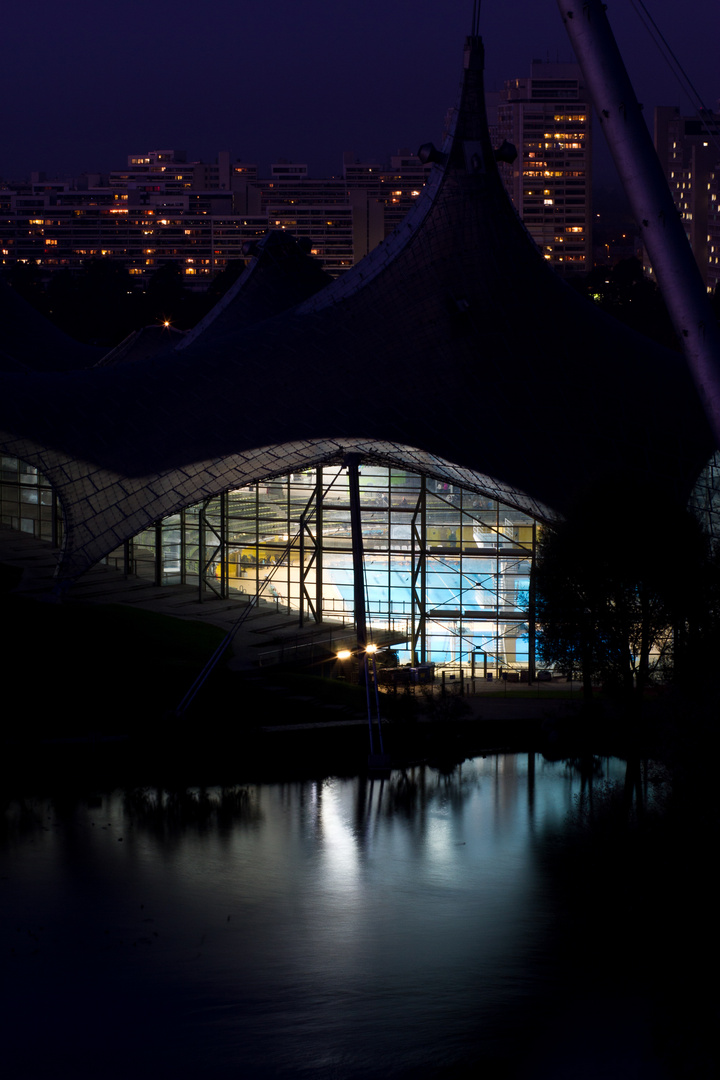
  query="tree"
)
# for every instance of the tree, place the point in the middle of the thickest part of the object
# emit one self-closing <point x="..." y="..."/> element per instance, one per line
<point x="624" y="292"/>
<point x="27" y="279"/>
<point x="98" y="304"/>
<point x="618" y="584"/>
<point x="167" y="299"/>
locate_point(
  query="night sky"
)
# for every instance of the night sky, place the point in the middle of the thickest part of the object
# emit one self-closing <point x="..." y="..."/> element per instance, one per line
<point x="85" y="83"/>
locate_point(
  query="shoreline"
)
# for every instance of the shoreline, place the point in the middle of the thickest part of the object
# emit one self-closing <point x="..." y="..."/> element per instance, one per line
<point x="187" y="756"/>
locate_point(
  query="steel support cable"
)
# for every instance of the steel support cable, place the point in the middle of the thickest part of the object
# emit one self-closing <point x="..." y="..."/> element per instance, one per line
<point x="368" y="641"/>
<point x="481" y="585"/>
<point x="476" y="18"/>
<point x="467" y="574"/>
<point x="466" y="638"/>
<point x="681" y="76"/>
<point x="506" y="634"/>
<point x="215" y="658"/>
<point x="653" y="207"/>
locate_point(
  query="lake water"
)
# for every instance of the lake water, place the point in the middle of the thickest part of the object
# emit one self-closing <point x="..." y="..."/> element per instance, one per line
<point x="338" y="928"/>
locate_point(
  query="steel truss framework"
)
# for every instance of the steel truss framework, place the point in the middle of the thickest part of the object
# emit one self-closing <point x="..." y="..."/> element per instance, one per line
<point x="446" y="569"/>
<point x="291" y="534"/>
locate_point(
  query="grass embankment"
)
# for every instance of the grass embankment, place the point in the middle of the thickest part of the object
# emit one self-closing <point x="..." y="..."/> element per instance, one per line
<point x="75" y="668"/>
<point x="72" y="669"/>
<point x="551" y="691"/>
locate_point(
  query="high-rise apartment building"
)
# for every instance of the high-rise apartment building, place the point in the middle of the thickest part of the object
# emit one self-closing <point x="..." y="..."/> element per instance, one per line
<point x="163" y="208"/>
<point x="547" y="117"/>
<point x="689" y="151"/>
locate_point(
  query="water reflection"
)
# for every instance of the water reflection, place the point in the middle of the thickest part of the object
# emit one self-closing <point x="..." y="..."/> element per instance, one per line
<point x="171" y="814"/>
<point x="336" y="928"/>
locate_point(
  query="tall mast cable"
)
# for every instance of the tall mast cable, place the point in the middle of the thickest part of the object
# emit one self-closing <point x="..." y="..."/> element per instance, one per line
<point x="476" y="18"/>
<point x="681" y="76"/>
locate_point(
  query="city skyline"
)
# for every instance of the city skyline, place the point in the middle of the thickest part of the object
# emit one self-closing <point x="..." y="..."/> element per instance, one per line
<point x="305" y="83"/>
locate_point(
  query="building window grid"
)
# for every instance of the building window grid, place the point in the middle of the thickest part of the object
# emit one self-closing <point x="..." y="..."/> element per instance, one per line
<point x="478" y="552"/>
<point x="478" y="555"/>
<point x="28" y="502"/>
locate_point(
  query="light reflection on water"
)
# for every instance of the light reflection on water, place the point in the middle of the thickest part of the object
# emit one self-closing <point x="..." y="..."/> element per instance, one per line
<point x="332" y="928"/>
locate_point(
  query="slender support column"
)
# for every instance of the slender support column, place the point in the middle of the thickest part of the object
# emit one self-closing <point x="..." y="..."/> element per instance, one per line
<point x="314" y="559"/>
<point x="158" y="552"/>
<point x="418" y="575"/>
<point x="55" y="519"/>
<point x="183" y="549"/>
<point x="319" y="543"/>
<point x="224" y="568"/>
<point x="201" y="551"/>
<point x="637" y="163"/>
<point x="352" y="461"/>
<point x="289" y="532"/>
<point x="257" y="539"/>
<point x="498" y="666"/>
<point x="301" y="574"/>
<point x="531" y="605"/>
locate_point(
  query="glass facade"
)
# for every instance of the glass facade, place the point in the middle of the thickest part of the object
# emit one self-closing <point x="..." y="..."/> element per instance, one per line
<point x="447" y="570"/>
<point x="705" y="498"/>
<point x="27" y="502"/>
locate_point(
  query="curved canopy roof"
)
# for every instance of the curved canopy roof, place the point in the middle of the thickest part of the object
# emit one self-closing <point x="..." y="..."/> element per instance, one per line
<point x="452" y="348"/>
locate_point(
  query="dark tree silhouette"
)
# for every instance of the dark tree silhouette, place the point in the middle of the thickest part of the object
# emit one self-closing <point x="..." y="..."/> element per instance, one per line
<point x="102" y="304"/>
<point x="167" y="298"/>
<point x="621" y="586"/>
<point x="98" y="305"/>
<point x="624" y="292"/>
<point x="27" y="279"/>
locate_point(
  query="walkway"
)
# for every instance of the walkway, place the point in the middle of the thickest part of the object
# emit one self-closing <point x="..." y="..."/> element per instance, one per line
<point x="268" y="631"/>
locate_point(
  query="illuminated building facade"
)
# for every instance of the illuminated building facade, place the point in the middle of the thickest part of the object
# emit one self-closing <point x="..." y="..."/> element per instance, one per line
<point x="162" y="208"/>
<point x="689" y="151"/>
<point x="480" y="393"/>
<point x="447" y="570"/>
<point x="547" y="118"/>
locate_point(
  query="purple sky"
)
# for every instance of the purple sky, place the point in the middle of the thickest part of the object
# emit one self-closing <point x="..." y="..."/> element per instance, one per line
<point x="84" y="83"/>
